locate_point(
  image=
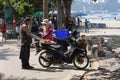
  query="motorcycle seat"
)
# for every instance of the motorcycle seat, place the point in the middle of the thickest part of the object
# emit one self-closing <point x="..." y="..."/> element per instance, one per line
<point x="55" y="46"/>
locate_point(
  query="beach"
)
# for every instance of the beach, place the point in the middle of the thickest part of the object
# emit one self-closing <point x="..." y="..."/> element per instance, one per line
<point x="108" y="67"/>
<point x="109" y="23"/>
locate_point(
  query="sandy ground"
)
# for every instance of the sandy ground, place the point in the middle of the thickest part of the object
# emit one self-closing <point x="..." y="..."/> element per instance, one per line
<point x="109" y="23"/>
<point x="107" y="67"/>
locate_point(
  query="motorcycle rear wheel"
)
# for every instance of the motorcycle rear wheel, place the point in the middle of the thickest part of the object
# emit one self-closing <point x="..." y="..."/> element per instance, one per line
<point x="81" y="61"/>
<point x="45" y="59"/>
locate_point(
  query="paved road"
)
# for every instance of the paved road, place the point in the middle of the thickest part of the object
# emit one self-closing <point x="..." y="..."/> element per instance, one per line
<point x="10" y="66"/>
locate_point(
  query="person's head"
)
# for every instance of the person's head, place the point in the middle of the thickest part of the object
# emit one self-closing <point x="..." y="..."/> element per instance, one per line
<point x="27" y="20"/>
<point x="85" y="19"/>
<point x="83" y="37"/>
<point x="46" y="22"/>
<point x="101" y="39"/>
<point x="3" y="22"/>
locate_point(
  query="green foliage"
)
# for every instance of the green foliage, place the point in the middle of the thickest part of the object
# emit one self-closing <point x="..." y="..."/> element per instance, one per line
<point x="22" y="7"/>
<point x="1" y="2"/>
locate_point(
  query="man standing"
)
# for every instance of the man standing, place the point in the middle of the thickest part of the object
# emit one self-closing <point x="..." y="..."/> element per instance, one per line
<point x="86" y="26"/>
<point x="26" y="40"/>
<point x="3" y="29"/>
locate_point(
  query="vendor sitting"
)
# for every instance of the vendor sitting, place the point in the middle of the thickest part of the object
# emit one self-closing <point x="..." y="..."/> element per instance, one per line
<point x="101" y="43"/>
<point x="47" y="30"/>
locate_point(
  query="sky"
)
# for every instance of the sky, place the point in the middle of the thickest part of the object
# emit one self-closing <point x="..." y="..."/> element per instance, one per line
<point x="77" y="3"/>
<point x="97" y="1"/>
<point x="91" y="0"/>
<point x="119" y="1"/>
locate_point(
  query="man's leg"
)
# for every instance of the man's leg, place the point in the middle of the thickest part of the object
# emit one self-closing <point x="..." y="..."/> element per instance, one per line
<point x="24" y="56"/>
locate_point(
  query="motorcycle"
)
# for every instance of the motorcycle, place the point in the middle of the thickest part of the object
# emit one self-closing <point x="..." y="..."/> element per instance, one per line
<point x="53" y="53"/>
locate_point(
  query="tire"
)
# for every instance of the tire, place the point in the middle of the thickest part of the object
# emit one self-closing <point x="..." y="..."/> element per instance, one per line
<point x="45" y="59"/>
<point x="81" y="61"/>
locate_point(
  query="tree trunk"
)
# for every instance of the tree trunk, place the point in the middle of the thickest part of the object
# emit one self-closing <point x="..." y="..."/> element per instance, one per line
<point x="68" y="6"/>
<point x="59" y="15"/>
<point x="63" y="12"/>
<point x="45" y="9"/>
<point x="63" y="7"/>
<point x="12" y="10"/>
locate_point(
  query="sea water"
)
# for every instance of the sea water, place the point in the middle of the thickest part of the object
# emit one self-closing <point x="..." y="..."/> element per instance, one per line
<point x="105" y="16"/>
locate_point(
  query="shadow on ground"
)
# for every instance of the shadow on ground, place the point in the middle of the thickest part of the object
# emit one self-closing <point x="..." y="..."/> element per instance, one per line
<point x="11" y="77"/>
<point x="103" y="74"/>
<point x="4" y="54"/>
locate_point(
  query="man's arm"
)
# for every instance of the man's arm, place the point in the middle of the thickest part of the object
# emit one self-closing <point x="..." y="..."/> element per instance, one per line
<point x="25" y="29"/>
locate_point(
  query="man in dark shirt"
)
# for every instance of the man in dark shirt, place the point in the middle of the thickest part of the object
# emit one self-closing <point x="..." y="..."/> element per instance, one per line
<point x="26" y="40"/>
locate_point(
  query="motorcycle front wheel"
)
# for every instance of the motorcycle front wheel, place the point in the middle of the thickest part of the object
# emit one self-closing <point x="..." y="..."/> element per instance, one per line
<point x="81" y="61"/>
<point x="45" y="59"/>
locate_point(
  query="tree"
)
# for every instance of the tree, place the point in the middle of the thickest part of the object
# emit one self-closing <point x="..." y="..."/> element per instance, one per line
<point x="63" y="8"/>
<point x="12" y="8"/>
<point x="46" y="4"/>
<point x="59" y="15"/>
<point x="37" y="4"/>
<point x="17" y="8"/>
<point x="1" y="8"/>
<point x="45" y="9"/>
<point x="67" y="4"/>
<point x="27" y="7"/>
